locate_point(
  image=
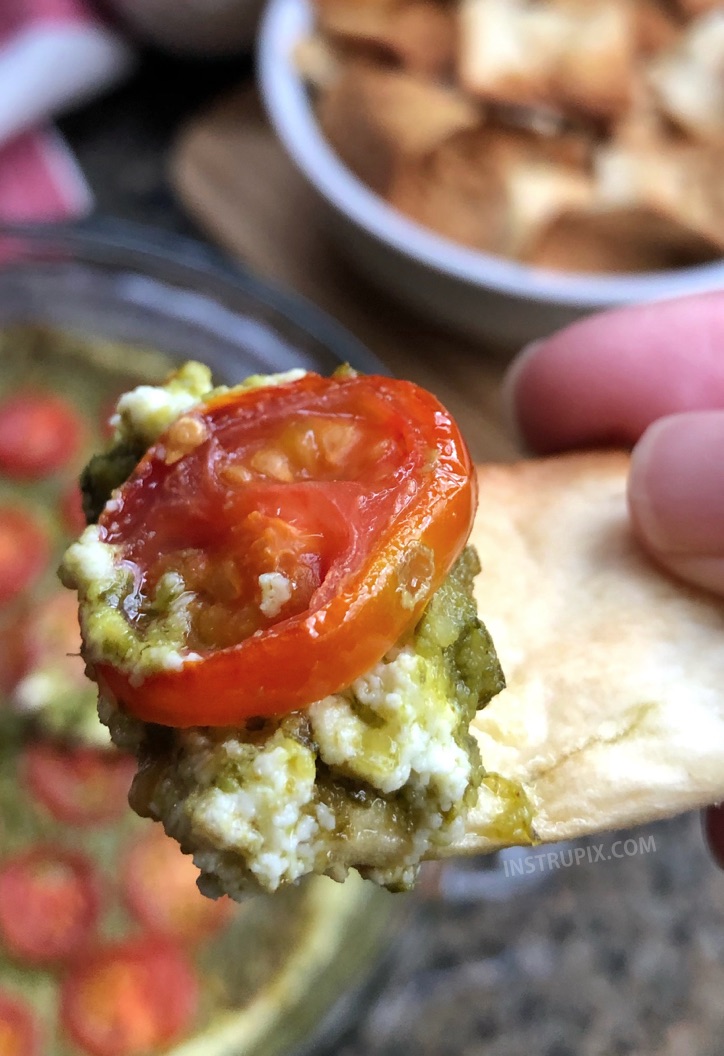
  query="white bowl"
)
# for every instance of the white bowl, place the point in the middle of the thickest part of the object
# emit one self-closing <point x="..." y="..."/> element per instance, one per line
<point x="483" y="295"/>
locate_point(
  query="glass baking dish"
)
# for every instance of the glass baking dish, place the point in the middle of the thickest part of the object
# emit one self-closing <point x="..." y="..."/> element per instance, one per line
<point x="285" y="971"/>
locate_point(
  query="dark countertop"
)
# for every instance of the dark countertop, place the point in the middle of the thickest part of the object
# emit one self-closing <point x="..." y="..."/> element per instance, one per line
<point x="607" y="957"/>
<point x="122" y="139"/>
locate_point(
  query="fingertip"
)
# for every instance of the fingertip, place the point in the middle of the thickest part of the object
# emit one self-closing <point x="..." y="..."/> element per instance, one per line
<point x="604" y="378"/>
<point x="676" y="496"/>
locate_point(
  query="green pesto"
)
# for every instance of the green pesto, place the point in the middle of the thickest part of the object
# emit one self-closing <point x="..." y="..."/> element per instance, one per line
<point x="450" y="629"/>
<point x="106" y="472"/>
<point x="513" y="823"/>
<point x="153" y="642"/>
<point x="457" y="673"/>
<point x="451" y="635"/>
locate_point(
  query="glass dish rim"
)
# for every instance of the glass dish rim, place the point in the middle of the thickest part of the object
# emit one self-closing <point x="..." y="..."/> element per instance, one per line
<point x="112" y="242"/>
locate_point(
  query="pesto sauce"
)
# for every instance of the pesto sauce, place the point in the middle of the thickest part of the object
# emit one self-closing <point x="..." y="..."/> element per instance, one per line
<point x="192" y="779"/>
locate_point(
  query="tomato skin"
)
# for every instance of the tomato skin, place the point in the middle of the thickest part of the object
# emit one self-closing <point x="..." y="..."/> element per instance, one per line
<point x="129" y="998"/>
<point x="358" y="615"/>
<point x="24" y="552"/>
<point x="79" y="785"/>
<point x="39" y="434"/>
<point x="159" y="887"/>
<point x="19" y="1033"/>
<point x="49" y="905"/>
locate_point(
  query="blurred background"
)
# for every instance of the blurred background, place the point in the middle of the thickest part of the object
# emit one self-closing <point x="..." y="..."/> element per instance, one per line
<point x="309" y="188"/>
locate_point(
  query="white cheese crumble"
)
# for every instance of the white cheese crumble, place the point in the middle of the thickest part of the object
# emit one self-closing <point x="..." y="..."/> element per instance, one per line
<point x="90" y="563"/>
<point x="250" y="806"/>
<point x="261" y="807"/>
<point x="425" y="754"/>
<point x="276" y="590"/>
<point x="263" y="381"/>
<point x="148" y="410"/>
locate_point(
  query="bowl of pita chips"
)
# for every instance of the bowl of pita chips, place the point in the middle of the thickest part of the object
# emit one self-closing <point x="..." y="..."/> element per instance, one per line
<point x="509" y="165"/>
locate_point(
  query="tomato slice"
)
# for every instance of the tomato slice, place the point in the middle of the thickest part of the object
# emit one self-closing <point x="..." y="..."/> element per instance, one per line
<point x="19" y="1033"/>
<point x="39" y="434"/>
<point x="159" y="884"/>
<point x="129" y="998"/>
<point x="49" y="905"/>
<point x="24" y="552"/>
<point x="79" y="785"/>
<point x="310" y="522"/>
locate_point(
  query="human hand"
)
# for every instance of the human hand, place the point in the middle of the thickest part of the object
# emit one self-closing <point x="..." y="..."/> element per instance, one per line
<point x="650" y="377"/>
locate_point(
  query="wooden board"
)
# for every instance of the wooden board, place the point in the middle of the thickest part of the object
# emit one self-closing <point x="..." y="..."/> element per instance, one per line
<point x="234" y="178"/>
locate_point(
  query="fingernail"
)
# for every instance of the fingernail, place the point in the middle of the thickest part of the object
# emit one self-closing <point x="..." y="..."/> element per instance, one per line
<point x="509" y="384"/>
<point x="676" y="487"/>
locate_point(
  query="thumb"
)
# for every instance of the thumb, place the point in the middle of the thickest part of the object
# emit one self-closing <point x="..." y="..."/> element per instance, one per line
<point x="676" y="495"/>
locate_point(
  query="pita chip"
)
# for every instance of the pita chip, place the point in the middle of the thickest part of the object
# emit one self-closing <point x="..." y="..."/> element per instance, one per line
<point x="613" y="713"/>
<point x="493" y="188"/>
<point x="372" y="116"/>
<point x="698" y="7"/>
<point x="419" y="34"/>
<point x="574" y="56"/>
<point x="688" y="79"/>
<point x="617" y="241"/>
<point x="678" y="180"/>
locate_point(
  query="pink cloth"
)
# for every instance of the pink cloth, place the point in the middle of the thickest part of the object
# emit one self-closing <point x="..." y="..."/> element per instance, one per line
<point x="39" y="178"/>
<point x="18" y="14"/>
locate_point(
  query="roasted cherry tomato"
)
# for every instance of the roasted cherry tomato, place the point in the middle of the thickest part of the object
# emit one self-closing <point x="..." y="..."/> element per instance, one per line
<point x="19" y="1034"/>
<point x="39" y="434"/>
<point x="310" y="522"/>
<point x="79" y="785"/>
<point x="24" y="552"/>
<point x="49" y="905"/>
<point x="129" y="998"/>
<point x="160" y="889"/>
